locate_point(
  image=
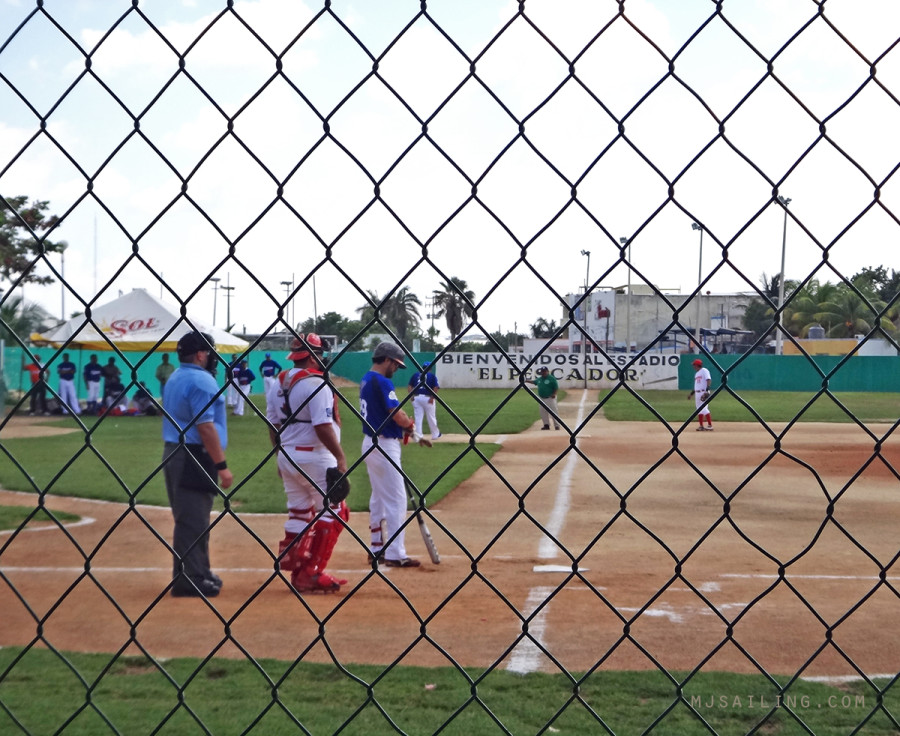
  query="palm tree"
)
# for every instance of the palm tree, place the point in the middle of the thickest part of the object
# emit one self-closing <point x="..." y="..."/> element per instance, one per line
<point x="849" y="315"/>
<point x="19" y="319"/>
<point x="543" y="328"/>
<point x="399" y="312"/>
<point x="454" y="301"/>
<point x="806" y="305"/>
<point x="402" y="312"/>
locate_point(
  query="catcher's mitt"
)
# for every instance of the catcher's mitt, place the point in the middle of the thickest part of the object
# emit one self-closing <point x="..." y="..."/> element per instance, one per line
<point x="338" y="486"/>
<point x="704" y="396"/>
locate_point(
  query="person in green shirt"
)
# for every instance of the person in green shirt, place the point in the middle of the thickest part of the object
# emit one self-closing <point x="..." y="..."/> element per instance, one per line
<point x="547" y="387"/>
<point x="163" y="372"/>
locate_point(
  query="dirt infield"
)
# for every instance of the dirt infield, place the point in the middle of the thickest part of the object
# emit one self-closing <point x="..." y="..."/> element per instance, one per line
<point x="672" y="571"/>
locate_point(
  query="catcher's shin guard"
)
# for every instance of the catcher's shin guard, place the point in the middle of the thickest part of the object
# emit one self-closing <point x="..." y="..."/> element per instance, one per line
<point x="289" y="547"/>
<point x="315" y="550"/>
<point x="287" y="551"/>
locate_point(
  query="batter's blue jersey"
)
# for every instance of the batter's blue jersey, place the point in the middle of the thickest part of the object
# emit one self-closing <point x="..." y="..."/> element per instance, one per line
<point x="377" y="399"/>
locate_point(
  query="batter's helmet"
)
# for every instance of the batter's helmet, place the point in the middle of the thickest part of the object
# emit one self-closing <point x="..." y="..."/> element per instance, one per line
<point x="389" y="350"/>
<point x="302" y="345"/>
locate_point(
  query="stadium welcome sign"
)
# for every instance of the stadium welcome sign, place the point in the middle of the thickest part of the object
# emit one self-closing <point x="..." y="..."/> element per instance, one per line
<point x="496" y="370"/>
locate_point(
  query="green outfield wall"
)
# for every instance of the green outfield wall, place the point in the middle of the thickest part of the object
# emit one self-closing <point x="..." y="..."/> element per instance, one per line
<point x="748" y="372"/>
<point x="755" y="372"/>
<point x="351" y="366"/>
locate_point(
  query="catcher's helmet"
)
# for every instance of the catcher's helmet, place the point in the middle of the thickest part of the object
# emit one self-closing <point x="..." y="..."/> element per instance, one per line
<point x="303" y="345"/>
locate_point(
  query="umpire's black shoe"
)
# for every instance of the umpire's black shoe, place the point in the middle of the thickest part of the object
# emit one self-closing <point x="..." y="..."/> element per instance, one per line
<point x="214" y="579"/>
<point x="203" y="588"/>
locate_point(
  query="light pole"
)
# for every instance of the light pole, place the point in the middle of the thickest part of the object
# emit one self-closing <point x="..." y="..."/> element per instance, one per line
<point x="215" y="282"/>
<point x="624" y="242"/>
<point x="584" y="338"/>
<point x="228" y="289"/>
<point x="696" y="226"/>
<point x="779" y="340"/>
<point x="288" y="286"/>
<point x="587" y="281"/>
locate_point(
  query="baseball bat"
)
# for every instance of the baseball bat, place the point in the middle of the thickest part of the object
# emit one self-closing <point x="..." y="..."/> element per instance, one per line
<point x="423" y="527"/>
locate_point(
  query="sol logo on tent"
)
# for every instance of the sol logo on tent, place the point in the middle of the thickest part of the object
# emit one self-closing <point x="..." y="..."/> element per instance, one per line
<point x="121" y="327"/>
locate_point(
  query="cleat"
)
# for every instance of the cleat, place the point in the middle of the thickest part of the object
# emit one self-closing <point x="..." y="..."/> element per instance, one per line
<point x="405" y="562"/>
<point x="319" y="583"/>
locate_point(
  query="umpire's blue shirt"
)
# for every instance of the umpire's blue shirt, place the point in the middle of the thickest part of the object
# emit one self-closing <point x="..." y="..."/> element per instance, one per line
<point x="189" y="401"/>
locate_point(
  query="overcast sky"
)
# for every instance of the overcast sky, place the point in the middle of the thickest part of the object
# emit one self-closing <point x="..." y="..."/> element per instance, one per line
<point x="523" y="133"/>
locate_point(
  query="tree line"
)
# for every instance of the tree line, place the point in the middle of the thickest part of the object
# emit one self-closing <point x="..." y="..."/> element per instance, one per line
<point x="867" y="300"/>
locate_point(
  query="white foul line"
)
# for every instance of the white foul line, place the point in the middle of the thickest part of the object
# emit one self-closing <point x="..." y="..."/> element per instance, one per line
<point x="526" y="657"/>
<point x="547" y="549"/>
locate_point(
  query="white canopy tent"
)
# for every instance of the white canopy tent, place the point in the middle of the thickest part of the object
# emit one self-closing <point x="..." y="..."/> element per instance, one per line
<point x="135" y="322"/>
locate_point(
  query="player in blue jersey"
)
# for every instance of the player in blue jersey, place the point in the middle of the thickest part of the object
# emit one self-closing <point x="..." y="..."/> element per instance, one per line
<point x="384" y="427"/>
<point x="424" y="387"/>
<point x="93" y="374"/>
<point x="269" y="369"/>
<point x="68" y="396"/>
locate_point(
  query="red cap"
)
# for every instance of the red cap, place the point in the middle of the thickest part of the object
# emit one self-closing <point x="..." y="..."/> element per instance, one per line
<point x="697" y="361"/>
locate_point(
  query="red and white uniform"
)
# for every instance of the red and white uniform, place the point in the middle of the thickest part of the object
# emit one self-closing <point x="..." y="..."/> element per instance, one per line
<point x="299" y="401"/>
<point x="702" y="380"/>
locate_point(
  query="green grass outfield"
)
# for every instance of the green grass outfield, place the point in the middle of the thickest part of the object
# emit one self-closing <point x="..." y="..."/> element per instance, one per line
<point x="750" y="406"/>
<point x="89" y="694"/>
<point x="120" y="457"/>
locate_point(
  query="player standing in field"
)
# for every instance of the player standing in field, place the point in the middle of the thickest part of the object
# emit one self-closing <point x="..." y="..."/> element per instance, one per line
<point x="702" y="383"/>
<point x="93" y="373"/>
<point x="306" y="430"/>
<point x="269" y="369"/>
<point x="68" y="396"/>
<point x="384" y="425"/>
<point x="424" y="387"/>
<point x="244" y="377"/>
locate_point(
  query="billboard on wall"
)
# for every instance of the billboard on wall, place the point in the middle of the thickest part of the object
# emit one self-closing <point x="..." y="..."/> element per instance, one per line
<point x="496" y="370"/>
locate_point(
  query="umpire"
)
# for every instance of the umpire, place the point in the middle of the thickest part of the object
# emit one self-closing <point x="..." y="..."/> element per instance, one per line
<point x="195" y="437"/>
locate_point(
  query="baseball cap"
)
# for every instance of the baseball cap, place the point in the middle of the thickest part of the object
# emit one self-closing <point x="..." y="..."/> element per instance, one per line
<point x="303" y="344"/>
<point x="389" y="350"/>
<point x="697" y="361"/>
<point x="268" y="355"/>
<point x="193" y="342"/>
<point x="426" y="364"/>
<point x="543" y="369"/>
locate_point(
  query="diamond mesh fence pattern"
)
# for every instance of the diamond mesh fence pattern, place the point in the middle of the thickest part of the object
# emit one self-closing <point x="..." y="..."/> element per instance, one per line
<point x="367" y="150"/>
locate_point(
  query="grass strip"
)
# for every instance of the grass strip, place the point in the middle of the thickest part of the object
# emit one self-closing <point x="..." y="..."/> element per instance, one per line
<point x="46" y="692"/>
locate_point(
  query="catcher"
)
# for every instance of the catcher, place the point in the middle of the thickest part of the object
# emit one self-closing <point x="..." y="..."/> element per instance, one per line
<point x="702" y="383"/>
<point x="306" y="429"/>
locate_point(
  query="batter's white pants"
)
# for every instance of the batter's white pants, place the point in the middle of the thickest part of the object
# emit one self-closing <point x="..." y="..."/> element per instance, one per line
<point x="425" y="407"/>
<point x="388" y="500"/>
<point x="68" y="397"/>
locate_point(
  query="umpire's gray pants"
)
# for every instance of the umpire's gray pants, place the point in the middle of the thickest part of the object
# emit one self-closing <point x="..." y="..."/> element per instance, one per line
<point x="191" y="508"/>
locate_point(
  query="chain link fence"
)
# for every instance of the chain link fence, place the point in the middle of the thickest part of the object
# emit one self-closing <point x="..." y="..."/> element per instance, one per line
<point x="603" y="120"/>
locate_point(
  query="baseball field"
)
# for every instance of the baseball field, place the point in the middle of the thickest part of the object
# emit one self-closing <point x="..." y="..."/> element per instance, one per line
<point x="625" y="548"/>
